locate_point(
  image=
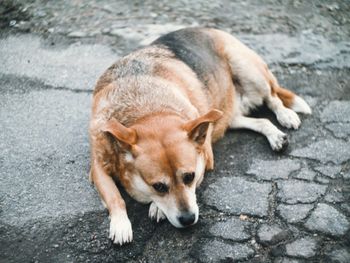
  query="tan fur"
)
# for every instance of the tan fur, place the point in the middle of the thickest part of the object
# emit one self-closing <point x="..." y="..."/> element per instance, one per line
<point x="154" y="120"/>
<point x="286" y="96"/>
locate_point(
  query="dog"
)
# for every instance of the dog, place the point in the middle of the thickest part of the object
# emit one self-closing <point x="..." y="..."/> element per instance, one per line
<point x="157" y="111"/>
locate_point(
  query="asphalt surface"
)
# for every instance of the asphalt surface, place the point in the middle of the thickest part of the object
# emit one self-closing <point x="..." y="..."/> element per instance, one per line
<point x="256" y="206"/>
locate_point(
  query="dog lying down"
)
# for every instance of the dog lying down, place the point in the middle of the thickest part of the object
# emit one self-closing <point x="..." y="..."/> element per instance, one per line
<point x="157" y="111"/>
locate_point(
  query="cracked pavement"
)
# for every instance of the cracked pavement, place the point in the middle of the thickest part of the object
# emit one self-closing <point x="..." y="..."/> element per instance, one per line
<point x="256" y="206"/>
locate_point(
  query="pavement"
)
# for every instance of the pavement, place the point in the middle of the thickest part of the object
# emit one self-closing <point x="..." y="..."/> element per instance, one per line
<point x="256" y="206"/>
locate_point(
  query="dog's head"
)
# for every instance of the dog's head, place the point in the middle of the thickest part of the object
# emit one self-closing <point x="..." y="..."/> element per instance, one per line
<point x="162" y="160"/>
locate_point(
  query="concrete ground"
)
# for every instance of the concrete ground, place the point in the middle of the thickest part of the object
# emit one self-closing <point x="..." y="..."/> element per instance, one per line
<point x="256" y="206"/>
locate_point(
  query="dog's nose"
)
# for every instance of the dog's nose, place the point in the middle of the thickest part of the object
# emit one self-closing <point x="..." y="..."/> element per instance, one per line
<point x="187" y="219"/>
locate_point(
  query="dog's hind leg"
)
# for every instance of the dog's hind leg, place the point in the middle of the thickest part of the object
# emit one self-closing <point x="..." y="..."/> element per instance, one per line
<point x="285" y="103"/>
<point x="254" y="81"/>
<point x="255" y="84"/>
<point x="277" y="139"/>
<point x="251" y="89"/>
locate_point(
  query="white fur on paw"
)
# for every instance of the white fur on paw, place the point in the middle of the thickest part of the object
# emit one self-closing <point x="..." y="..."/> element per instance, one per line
<point x="288" y="118"/>
<point x="278" y="141"/>
<point x="120" y="230"/>
<point x="155" y="213"/>
<point x="299" y="105"/>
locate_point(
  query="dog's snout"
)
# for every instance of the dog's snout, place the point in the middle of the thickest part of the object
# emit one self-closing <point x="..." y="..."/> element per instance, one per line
<point x="187" y="219"/>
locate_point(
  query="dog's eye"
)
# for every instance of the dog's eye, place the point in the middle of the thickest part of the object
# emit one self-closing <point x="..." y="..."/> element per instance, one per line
<point x="160" y="187"/>
<point x="188" y="178"/>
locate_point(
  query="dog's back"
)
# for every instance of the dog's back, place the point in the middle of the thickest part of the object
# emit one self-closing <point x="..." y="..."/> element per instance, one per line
<point x="195" y="48"/>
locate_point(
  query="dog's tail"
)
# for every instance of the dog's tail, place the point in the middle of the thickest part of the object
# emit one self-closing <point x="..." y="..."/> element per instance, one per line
<point x="289" y="99"/>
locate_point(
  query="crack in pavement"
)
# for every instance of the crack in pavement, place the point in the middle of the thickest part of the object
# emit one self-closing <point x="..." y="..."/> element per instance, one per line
<point x="44" y="143"/>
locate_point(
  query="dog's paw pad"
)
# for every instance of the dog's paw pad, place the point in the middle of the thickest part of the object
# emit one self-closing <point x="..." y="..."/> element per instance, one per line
<point x="155" y="213"/>
<point x="288" y="118"/>
<point x="120" y="230"/>
<point x="278" y="141"/>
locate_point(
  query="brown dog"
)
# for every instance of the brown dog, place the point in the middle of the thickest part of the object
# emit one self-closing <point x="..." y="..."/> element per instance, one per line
<point x="157" y="111"/>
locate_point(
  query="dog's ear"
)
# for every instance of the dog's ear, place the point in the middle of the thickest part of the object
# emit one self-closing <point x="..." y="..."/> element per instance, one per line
<point x="197" y="129"/>
<point x="120" y="132"/>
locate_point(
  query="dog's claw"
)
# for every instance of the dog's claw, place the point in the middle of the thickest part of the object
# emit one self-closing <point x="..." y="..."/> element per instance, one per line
<point x="155" y="213"/>
<point x="282" y="145"/>
<point x="285" y="144"/>
<point x="278" y="141"/>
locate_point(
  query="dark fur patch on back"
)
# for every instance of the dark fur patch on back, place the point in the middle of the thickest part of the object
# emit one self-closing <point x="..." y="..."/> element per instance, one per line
<point x="194" y="48"/>
<point x="121" y="69"/>
<point x="132" y="67"/>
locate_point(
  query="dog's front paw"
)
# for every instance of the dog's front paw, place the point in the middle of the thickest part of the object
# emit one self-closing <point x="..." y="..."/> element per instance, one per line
<point x="155" y="213"/>
<point x="288" y="118"/>
<point x="120" y="230"/>
<point x="278" y="141"/>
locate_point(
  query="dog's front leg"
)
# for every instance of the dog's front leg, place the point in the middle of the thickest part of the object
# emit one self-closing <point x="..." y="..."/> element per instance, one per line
<point x="120" y="230"/>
